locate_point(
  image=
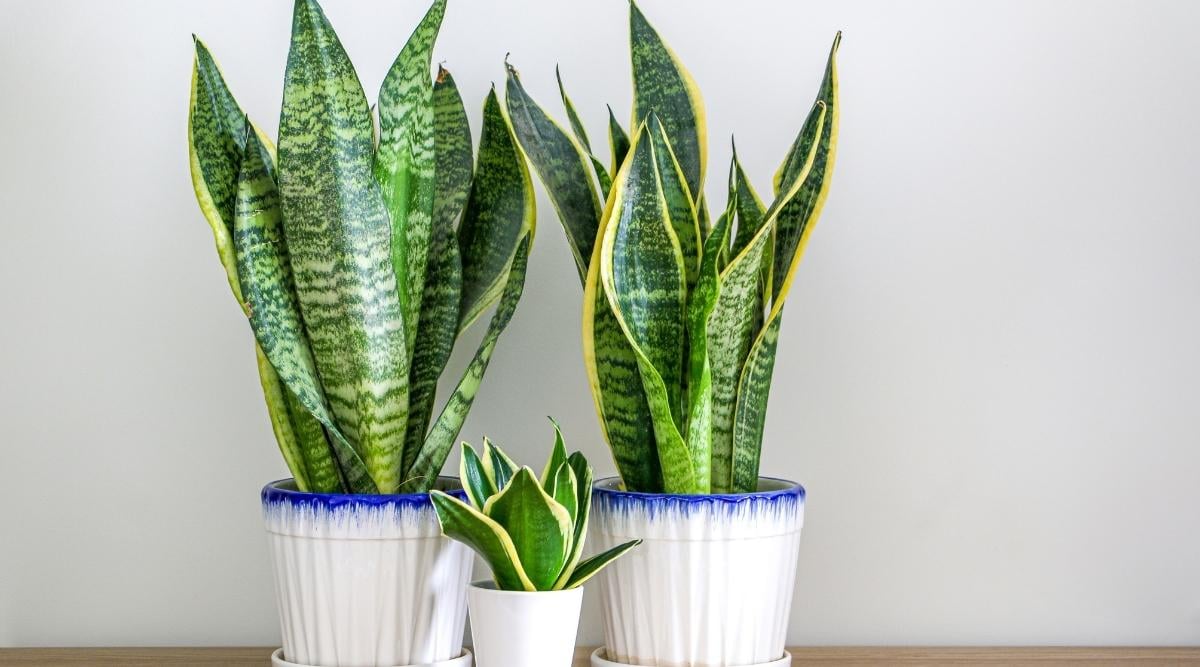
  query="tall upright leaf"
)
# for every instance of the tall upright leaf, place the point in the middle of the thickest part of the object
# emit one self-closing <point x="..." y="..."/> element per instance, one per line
<point x="438" y="327"/>
<point x="339" y="239"/>
<point x="500" y="211"/>
<point x="806" y="172"/>
<point x="804" y="209"/>
<point x="735" y="322"/>
<point x="265" y="274"/>
<point x="603" y="179"/>
<point x="445" y="429"/>
<point x="680" y="207"/>
<point x="216" y="140"/>
<point x="618" y="142"/>
<point x="561" y="164"/>
<point x="663" y="85"/>
<point x="404" y="163"/>
<point x="644" y="278"/>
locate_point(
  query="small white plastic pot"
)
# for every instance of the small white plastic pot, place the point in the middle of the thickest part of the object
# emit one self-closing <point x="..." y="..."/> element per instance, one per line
<point x="366" y="580"/>
<point x="711" y="583"/>
<point x="520" y="629"/>
<point x="463" y="660"/>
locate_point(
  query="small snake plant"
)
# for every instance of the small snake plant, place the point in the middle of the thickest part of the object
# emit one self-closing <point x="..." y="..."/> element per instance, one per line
<point x="681" y="316"/>
<point x="530" y="530"/>
<point x="361" y="253"/>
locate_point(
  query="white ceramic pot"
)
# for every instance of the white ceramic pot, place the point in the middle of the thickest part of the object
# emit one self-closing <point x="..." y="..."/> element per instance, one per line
<point x="520" y="629"/>
<point x="711" y="584"/>
<point x="463" y="660"/>
<point x="366" y="580"/>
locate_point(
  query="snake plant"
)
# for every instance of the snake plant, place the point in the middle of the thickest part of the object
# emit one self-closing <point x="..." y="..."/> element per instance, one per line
<point x="530" y="530"/>
<point x="360" y="254"/>
<point x="681" y="316"/>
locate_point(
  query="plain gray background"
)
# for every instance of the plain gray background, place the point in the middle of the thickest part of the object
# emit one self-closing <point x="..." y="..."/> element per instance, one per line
<point x="989" y="376"/>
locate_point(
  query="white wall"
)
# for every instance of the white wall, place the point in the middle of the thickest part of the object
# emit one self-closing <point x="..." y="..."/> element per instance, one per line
<point x="990" y="373"/>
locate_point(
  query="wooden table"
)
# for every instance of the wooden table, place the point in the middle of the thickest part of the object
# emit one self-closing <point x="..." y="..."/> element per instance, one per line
<point x="235" y="657"/>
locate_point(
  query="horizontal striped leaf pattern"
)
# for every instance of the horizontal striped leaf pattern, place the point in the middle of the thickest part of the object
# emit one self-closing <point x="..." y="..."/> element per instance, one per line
<point x="405" y="164"/>
<point x="339" y="238"/>
<point x="561" y="164"/>
<point x="500" y="211"/>
<point x="661" y="84"/>
<point x="438" y="326"/>
<point x="445" y="428"/>
<point x="346" y="257"/>
<point x="644" y="278"/>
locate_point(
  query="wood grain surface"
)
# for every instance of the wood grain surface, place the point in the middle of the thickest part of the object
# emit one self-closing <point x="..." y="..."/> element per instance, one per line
<point x="238" y="656"/>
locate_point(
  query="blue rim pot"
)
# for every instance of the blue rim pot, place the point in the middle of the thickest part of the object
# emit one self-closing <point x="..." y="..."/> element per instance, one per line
<point x="711" y="584"/>
<point x="366" y="580"/>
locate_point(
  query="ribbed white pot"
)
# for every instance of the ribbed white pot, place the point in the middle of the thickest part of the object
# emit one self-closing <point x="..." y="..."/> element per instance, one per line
<point x="523" y="629"/>
<point x="365" y="580"/>
<point x="711" y="583"/>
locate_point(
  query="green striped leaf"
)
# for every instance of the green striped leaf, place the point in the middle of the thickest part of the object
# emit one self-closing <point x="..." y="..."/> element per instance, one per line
<point x="277" y="399"/>
<point x="754" y="388"/>
<point x="486" y="537"/>
<point x="540" y="528"/>
<point x="592" y="566"/>
<point x="603" y="179"/>
<point x="438" y="327"/>
<point x="680" y="208"/>
<point x="734" y="325"/>
<point x="339" y="240"/>
<point x="561" y="164"/>
<point x="805" y="175"/>
<point x="663" y="85"/>
<point x="572" y="116"/>
<point x="216" y="141"/>
<point x="616" y="384"/>
<point x="750" y="209"/>
<point x="500" y="213"/>
<point x="445" y="429"/>
<point x="405" y="164"/>
<point x="798" y="217"/>
<point x="264" y="271"/>
<point x="618" y="143"/>
<point x="644" y="279"/>
<point x="701" y="301"/>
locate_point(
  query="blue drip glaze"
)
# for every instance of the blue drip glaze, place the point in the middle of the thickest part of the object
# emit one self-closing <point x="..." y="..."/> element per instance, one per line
<point x="783" y="499"/>
<point x="283" y="491"/>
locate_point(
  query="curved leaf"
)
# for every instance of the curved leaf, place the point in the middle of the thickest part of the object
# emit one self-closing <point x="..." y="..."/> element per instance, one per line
<point x="642" y="273"/>
<point x="663" y="85"/>
<point x="804" y="208"/>
<point x="754" y="388"/>
<point x="592" y="566"/>
<point x="500" y="213"/>
<point x="618" y="143"/>
<point x="264" y="271"/>
<point x="405" y="164"/>
<point x="475" y="480"/>
<point x="734" y="324"/>
<point x="540" y="528"/>
<point x="582" y="474"/>
<point x="680" y="208"/>
<point x="471" y="527"/>
<point x="339" y="239"/>
<point x="561" y="164"/>
<point x="438" y="327"/>
<point x="603" y="179"/>
<point x="445" y="429"/>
